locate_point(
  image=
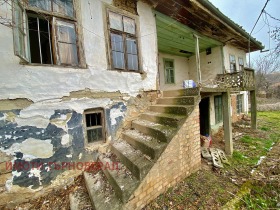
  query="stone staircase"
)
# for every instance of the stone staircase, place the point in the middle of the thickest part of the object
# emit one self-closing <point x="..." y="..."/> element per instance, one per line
<point x="137" y="151"/>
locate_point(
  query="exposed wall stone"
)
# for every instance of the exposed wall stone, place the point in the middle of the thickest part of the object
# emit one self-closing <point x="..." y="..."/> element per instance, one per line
<point x="179" y="160"/>
<point x="128" y="5"/>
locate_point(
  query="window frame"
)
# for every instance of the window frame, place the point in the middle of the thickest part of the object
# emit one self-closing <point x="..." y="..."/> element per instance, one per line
<point x="218" y="107"/>
<point x="239" y="103"/>
<point x="124" y="35"/>
<point x="232" y="63"/>
<point x="165" y="76"/>
<point x="53" y="17"/>
<point x="17" y="4"/>
<point x="241" y="65"/>
<point x="103" y="126"/>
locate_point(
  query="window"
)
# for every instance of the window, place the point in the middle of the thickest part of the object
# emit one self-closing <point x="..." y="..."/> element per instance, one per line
<point x="239" y="104"/>
<point x="169" y="71"/>
<point x="19" y="31"/>
<point x="241" y="64"/>
<point x="218" y="109"/>
<point x="47" y="35"/>
<point x="124" y="47"/>
<point x="94" y="122"/>
<point x="232" y="63"/>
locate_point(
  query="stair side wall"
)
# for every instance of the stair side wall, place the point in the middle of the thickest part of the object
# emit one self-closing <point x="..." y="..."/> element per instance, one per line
<point x="180" y="159"/>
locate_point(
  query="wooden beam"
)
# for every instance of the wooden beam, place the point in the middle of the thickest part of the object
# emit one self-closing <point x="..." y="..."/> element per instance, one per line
<point x="227" y="122"/>
<point x="253" y="109"/>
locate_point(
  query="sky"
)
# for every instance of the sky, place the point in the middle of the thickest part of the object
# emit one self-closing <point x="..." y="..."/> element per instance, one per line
<point x="246" y="12"/>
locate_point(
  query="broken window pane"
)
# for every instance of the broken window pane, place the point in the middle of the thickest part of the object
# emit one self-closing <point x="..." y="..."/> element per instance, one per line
<point x="64" y="7"/>
<point x="93" y="119"/>
<point x="40" y="46"/>
<point x="115" y="21"/>
<point x="42" y="4"/>
<point x="129" y="25"/>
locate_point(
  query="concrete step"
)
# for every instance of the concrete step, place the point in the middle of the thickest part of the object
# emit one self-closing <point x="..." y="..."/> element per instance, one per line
<point x="158" y="131"/>
<point x="172" y="109"/>
<point x="164" y="119"/>
<point x="183" y="100"/>
<point x="121" y="179"/>
<point x="133" y="159"/>
<point x="181" y="92"/>
<point x="101" y="193"/>
<point x="80" y="200"/>
<point x="145" y="143"/>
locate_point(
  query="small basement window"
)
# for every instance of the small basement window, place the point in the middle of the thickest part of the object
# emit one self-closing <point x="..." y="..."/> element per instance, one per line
<point x="94" y="120"/>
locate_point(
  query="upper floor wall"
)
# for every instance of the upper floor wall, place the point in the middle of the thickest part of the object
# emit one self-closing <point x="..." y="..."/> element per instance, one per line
<point x="91" y="62"/>
<point x="234" y="59"/>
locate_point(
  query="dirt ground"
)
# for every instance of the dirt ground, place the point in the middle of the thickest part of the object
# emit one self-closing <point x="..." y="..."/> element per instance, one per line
<point x="209" y="188"/>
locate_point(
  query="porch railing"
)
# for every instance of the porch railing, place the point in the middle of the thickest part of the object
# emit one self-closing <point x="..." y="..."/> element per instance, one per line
<point x="243" y="79"/>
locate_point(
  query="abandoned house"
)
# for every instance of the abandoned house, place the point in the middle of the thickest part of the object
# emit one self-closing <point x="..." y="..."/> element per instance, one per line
<point x="125" y="82"/>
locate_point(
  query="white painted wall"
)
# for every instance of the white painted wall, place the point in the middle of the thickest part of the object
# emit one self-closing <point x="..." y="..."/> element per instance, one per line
<point x="230" y="50"/>
<point x="181" y="71"/>
<point x="185" y="68"/>
<point x="40" y="83"/>
<point x="210" y="65"/>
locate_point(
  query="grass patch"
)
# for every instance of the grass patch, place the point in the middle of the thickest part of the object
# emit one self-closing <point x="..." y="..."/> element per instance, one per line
<point x="265" y="193"/>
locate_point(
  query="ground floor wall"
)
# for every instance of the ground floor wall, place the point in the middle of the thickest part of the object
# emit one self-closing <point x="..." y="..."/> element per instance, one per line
<point x="44" y="141"/>
<point x="215" y="124"/>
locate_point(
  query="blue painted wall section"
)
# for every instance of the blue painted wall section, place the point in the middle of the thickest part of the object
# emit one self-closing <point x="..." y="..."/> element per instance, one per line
<point x="18" y="134"/>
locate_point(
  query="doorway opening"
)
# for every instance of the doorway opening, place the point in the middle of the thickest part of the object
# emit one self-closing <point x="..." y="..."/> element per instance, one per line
<point x="204" y="116"/>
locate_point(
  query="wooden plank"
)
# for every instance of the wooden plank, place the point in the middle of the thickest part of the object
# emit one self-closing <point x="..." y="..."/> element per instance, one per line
<point x="227" y="122"/>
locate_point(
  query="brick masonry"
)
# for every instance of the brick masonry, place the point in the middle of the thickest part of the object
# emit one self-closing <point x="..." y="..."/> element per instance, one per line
<point x="179" y="160"/>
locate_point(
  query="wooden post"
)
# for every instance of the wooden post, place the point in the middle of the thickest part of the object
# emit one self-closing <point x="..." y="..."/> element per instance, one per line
<point x="227" y="123"/>
<point x="253" y="109"/>
<point x="197" y="58"/>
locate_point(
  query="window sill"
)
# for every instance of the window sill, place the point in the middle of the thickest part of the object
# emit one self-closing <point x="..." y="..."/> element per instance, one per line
<point x="94" y="145"/>
<point x="127" y="71"/>
<point x="53" y="66"/>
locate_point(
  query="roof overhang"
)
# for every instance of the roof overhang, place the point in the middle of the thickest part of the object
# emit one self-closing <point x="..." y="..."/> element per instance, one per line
<point x="177" y="39"/>
<point x="204" y="18"/>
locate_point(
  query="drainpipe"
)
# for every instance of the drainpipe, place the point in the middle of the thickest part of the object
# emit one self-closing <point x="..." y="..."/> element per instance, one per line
<point x="197" y="58"/>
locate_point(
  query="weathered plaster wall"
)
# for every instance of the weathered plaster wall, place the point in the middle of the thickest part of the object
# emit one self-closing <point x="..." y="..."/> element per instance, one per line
<point x="210" y="65"/>
<point x="39" y="83"/>
<point x="51" y="132"/>
<point x="42" y="106"/>
<point x="181" y="71"/>
<point x="230" y="50"/>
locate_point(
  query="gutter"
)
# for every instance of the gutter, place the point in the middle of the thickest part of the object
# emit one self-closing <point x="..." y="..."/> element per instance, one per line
<point x="228" y="21"/>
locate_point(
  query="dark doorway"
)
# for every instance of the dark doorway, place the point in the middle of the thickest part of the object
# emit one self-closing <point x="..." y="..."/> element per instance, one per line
<point x="204" y="116"/>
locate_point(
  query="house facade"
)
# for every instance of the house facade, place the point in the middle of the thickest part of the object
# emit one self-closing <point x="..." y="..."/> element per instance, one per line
<point x="84" y="79"/>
